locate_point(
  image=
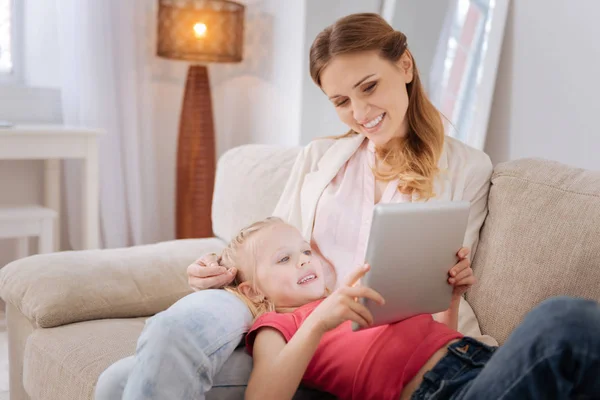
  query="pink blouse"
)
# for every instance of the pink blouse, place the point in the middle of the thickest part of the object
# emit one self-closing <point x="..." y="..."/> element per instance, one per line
<point x="345" y="209"/>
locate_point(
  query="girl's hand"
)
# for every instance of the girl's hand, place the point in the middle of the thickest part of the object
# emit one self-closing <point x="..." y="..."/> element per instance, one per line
<point x="206" y="273"/>
<point x="342" y="304"/>
<point x="461" y="275"/>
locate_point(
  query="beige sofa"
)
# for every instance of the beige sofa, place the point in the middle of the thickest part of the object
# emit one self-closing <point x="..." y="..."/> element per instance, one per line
<point x="70" y="315"/>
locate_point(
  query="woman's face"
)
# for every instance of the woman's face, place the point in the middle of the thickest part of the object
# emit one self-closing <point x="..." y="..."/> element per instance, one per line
<point x="369" y="93"/>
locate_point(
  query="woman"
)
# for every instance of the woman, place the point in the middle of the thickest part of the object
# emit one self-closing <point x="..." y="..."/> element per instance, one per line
<point x="395" y="151"/>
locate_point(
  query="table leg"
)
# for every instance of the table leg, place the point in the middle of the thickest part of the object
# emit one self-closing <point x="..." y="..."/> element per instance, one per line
<point x="90" y="217"/>
<point x="22" y="247"/>
<point x="52" y="195"/>
<point x="46" y="242"/>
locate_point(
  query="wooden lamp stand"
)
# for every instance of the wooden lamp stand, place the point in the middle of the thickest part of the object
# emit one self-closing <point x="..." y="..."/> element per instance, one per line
<point x="195" y="158"/>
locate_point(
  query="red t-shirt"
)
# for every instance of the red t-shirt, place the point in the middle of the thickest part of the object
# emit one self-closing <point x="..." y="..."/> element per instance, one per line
<point x="374" y="363"/>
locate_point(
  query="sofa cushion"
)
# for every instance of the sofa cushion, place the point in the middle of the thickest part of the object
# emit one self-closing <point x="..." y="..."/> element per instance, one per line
<point x="248" y="184"/>
<point x="230" y="382"/>
<point x="540" y="239"/>
<point x="65" y="362"/>
<point x="61" y="288"/>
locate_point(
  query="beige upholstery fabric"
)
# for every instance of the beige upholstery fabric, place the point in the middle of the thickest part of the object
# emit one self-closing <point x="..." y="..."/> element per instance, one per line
<point x="61" y="288"/>
<point x="19" y="329"/>
<point x="249" y="180"/>
<point x="541" y="239"/>
<point x="65" y="362"/>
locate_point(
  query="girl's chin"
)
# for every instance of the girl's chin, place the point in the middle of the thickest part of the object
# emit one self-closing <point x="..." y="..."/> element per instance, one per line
<point x="317" y="295"/>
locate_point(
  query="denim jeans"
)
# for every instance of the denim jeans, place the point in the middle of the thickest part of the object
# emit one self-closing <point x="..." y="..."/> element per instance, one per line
<point x="553" y="354"/>
<point x="180" y="350"/>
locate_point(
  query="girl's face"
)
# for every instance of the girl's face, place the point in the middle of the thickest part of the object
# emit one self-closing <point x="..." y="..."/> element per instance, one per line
<point x="287" y="273"/>
<point x="369" y="93"/>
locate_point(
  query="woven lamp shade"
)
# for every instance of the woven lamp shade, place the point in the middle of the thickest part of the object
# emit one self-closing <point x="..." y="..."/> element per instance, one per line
<point x="202" y="31"/>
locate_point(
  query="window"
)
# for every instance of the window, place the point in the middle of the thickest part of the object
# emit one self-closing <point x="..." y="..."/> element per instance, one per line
<point x="9" y="43"/>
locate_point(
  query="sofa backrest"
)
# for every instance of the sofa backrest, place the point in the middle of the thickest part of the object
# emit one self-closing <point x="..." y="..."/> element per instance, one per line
<point x="541" y="239"/>
<point x="248" y="184"/>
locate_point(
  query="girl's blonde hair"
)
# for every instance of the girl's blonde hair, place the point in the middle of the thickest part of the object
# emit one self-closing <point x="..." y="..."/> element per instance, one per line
<point x="245" y="262"/>
<point x="413" y="158"/>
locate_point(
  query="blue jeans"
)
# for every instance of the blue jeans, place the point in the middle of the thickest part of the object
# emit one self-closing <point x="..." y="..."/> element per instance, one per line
<point x="180" y="350"/>
<point x="553" y="354"/>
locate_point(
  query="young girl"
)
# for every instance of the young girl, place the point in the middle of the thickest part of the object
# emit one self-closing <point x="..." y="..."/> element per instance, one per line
<point x="303" y="334"/>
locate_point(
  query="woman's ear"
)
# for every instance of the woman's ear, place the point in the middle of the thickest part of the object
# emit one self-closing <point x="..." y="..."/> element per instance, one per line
<point x="406" y="65"/>
<point x="248" y="290"/>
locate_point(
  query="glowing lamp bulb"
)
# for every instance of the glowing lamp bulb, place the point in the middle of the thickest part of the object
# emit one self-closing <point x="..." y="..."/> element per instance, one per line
<point x="200" y="30"/>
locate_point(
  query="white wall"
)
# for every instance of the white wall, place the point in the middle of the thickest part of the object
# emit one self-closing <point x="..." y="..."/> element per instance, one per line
<point x="545" y="102"/>
<point x="547" y="90"/>
<point x="35" y="100"/>
<point x="318" y="115"/>
<point x="41" y="51"/>
<point x="256" y="101"/>
<point x="421" y="21"/>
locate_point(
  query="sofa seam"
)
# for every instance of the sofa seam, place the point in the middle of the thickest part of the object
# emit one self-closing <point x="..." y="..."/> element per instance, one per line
<point x="506" y="175"/>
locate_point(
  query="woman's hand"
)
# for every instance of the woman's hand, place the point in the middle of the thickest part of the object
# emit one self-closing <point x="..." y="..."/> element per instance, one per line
<point x="342" y="304"/>
<point x="206" y="273"/>
<point x="461" y="275"/>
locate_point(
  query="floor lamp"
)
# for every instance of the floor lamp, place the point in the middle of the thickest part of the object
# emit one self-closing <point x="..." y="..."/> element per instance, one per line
<point x="200" y="31"/>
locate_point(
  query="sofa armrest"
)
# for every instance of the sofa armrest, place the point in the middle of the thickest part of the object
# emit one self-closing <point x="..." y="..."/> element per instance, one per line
<point x="62" y="288"/>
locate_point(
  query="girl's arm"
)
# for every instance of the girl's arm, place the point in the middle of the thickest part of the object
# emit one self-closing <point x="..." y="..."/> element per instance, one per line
<point x="279" y="366"/>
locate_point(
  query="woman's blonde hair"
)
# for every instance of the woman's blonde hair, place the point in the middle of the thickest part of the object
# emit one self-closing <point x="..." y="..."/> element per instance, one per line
<point x="413" y="159"/>
<point x="245" y="262"/>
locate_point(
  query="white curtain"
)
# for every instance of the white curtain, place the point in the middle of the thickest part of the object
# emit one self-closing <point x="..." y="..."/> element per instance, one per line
<point x="106" y="49"/>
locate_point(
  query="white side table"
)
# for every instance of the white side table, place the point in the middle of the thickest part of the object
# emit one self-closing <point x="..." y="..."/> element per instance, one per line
<point x="27" y="221"/>
<point x="53" y="143"/>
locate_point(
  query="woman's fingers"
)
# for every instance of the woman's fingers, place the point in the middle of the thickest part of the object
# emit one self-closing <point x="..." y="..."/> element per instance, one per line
<point x="462" y="274"/>
<point x="208" y="259"/>
<point x="194" y="270"/>
<point x="214" y="282"/>
<point x="356" y="274"/>
<point x="463" y="252"/>
<point x="469" y="280"/>
<point x="460" y="266"/>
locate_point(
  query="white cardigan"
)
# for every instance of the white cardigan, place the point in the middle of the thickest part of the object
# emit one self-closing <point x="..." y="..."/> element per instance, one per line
<point x="465" y="175"/>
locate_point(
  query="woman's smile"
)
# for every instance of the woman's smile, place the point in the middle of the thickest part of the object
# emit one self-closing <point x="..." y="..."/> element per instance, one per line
<point x="375" y="124"/>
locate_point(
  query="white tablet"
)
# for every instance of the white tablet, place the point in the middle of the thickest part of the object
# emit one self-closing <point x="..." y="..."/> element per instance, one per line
<point x="411" y="248"/>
